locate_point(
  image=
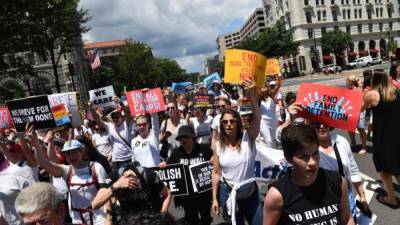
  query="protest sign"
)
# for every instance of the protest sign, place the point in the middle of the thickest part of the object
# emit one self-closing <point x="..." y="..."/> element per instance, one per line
<point x="60" y="114"/>
<point x="70" y="101"/>
<point x="33" y="109"/>
<point x="273" y="67"/>
<point x="203" y="101"/>
<point x="174" y="177"/>
<point x="240" y="64"/>
<point x="103" y="97"/>
<point x="333" y="106"/>
<point x="149" y="101"/>
<point x="5" y="119"/>
<point x="208" y="81"/>
<point x="180" y="88"/>
<point x="200" y="175"/>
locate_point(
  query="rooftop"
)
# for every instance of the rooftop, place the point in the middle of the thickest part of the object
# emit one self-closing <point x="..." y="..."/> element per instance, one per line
<point x="105" y="44"/>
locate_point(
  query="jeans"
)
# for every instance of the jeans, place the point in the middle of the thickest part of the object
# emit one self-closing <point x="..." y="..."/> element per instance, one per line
<point x="249" y="209"/>
<point x="197" y="209"/>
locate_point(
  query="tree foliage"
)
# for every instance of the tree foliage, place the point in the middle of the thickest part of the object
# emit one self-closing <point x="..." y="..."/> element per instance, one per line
<point x="335" y="41"/>
<point x="276" y="41"/>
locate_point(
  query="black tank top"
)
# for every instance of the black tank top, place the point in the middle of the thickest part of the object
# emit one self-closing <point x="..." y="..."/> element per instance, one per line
<point x="314" y="204"/>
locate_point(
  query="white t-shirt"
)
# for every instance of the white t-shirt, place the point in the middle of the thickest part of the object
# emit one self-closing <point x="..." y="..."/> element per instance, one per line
<point x="82" y="197"/>
<point x="171" y="140"/>
<point x="121" y="150"/>
<point x="102" y="143"/>
<point x="145" y="150"/>
<point x="23" y="170"/>
<point x="10" y="187"/>
<point x="216" y="123"/>
<point x="267" y="110"/>
<point x="237" y="166"/>
<point x="202" y="130"/>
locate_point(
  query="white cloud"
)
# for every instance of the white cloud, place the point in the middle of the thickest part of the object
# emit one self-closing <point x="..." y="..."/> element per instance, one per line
<point x="185" y="30"/>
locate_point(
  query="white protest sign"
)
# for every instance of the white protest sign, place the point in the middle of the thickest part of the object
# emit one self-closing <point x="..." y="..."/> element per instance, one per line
<point x="70" y="101"/>
<point x="103" y="97"/>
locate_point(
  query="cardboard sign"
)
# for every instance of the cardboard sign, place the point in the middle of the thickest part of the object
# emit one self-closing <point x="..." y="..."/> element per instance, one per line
<point x="208" y="81"/>
<point x="240" y="64"/>
<point x="60" y="114"/>
<point x="180" y="88"/>
<point x="5" y="119"/>
<point x="33" y="109"/>
<point x="203" y="101"/>
<point x="273" y="67"/>
<point x="200" y="175"/>
<point x="174" y="177"/>
<point x="150" y="101"/>
<point x="70" y="101"/>
<point x="103" y="97"/>
<point x="333" y="106"/>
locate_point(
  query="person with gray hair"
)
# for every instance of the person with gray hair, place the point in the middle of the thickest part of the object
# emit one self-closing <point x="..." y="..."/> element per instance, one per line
<point x="40" y="203"/>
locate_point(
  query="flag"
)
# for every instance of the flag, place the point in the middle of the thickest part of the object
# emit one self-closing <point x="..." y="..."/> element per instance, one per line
<point x="94" y="59"/>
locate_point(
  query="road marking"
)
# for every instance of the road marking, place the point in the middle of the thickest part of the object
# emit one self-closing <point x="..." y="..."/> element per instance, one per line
<point x="370" y="185"/>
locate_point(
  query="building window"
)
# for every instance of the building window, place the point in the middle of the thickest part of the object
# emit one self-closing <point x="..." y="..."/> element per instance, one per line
<point x="342" y="2"/>
<point x="308" y="17"/>
<point x="344" y="14"/>
<point x="389" y="12"/>
<point x="355" y="13"/>
<point x="316" y="2"/>
<point x="332" y="2"/>
<point x="381" y="12"/>
<point x="359" y="26"/>
<point x="390" y="25"/>
<point x="319" y="15"/>
<point x="381" y="27"/>
<point x="370" y="27"/>
<point x="354" y="1"/>
<point x="324" y="15"/>
<point x="360" y="13"/>
<point x="348" y="29"/>
<point x="334" y="15"/>
<point x="348" y="14"/>
<point x="322" y="2"/>
<point x="377" y="12"/>
<point x="369" y="13"/>
<point x="310" y="33"/>
<point x="323" y="30"/>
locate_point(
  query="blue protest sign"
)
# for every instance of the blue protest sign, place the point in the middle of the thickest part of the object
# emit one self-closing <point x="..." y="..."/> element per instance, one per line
<point x="209" y="80"/>
<point x="180" y="88"/>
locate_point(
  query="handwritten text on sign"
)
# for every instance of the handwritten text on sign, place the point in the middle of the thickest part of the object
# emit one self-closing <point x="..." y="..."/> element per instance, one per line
<point x="336" y="107"/>
<point x="103" y="97"/>
<point x="241" y="64"/>
<point x="149" y="101"/>
<point x="174" y="177"/>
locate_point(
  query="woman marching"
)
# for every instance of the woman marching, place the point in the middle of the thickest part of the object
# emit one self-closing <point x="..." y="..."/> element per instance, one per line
<point x="233" y="161"/>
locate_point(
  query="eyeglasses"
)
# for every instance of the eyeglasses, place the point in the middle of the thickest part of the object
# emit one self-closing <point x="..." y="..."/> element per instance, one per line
<point x="226" y="122"/>
<point x="222" y="106"/>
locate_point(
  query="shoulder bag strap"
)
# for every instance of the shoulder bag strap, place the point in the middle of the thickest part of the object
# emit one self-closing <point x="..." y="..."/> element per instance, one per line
<point x="339" y="160"/>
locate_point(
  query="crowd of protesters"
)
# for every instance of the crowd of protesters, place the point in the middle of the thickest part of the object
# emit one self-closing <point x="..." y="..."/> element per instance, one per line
<point x="100" y="173"/>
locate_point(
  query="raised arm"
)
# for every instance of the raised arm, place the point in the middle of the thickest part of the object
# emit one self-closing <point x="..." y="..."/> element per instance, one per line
<point x="252" y="94"/>
<point x="27" y="151"/>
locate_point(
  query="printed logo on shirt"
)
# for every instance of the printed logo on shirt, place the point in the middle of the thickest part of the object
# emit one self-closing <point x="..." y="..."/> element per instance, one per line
<point x="192" y="161"/>
<point x="314" y="216"/>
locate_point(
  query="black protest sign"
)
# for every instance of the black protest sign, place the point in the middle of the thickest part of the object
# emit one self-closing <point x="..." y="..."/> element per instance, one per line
<point x="174" y="177"/>
<point x="203" y="101"/>
<point x="34" y="109"/>
<point x="200" y="175"/>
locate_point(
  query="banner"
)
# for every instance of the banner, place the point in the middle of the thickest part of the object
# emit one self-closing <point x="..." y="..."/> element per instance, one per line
<point x="203" y="101"/>
<point x="150" y="101"/>
<point x="208" y="81"/>
<point x="333" y="106"/>
<point x="200" y="175"/>
<point x="70" y="101"/>
<point x="240" y="64"/>
<point x="273" y="67"/>
<point x="33" y="109"/>
<point x="174" y="177"/>
<point x="180" y="88"/>
<point x="60" y="114"/>
<point x="5" y="119"/>
<point x="103" y="97"/>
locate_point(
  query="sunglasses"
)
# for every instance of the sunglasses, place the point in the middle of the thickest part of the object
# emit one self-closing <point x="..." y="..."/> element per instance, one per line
<point x="222" y="106"/>
<point x="226" y="122"/>
<point x="170" y="108"/>
<point x="141" y="124"/>
<point x="318" y="125"/>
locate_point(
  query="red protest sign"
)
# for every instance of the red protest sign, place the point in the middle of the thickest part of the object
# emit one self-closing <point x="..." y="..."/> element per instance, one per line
<point x="333" y="106"/>
<point x="5" y="119"/>
<point x="149" y="101"/>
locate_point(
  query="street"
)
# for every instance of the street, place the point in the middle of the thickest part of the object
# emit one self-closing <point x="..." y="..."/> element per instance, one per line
<point x="372" y="184"/>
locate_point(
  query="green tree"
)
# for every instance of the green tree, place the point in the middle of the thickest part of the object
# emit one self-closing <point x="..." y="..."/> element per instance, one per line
<point x="335" y="41"/>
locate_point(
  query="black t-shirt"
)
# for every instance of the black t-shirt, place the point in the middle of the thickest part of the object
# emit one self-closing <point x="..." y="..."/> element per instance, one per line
<point x="146" y="196"/>
<point x="200" y="153"/>
<point x="315" y="204"/>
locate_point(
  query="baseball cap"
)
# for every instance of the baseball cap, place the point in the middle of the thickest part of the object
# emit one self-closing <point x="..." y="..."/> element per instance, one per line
<point x="185" y="131"/>
<point x="272" y="82"/>
<point x="71" y="145"/>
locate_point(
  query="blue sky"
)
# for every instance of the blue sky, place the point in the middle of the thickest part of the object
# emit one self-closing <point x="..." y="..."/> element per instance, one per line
<point x="185" y="30"/>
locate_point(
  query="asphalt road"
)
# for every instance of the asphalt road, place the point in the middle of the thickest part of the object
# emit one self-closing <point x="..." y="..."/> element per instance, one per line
<point x="372" y="183"/>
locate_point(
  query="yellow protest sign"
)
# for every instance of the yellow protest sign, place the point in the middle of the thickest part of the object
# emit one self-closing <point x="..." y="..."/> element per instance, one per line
<point x="273" y="67"/>
<point x="240" y="64"/>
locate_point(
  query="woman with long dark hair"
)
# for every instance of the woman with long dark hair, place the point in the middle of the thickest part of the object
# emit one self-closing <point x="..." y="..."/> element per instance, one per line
<point x="394" y="74"/>
<point x="384" y="100"/>
<point x="234" y="159"/>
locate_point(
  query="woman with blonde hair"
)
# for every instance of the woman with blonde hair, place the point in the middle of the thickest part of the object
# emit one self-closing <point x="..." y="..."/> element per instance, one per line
<point x="384" y="100"/>
<point x="353" y="83"/>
